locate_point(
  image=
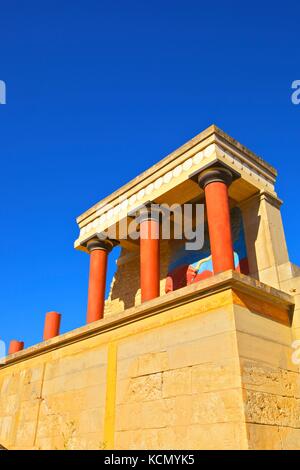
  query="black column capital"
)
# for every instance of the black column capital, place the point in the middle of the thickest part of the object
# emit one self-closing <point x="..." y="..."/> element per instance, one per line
<point x="97" y="244"/>
<point x="215" y="174"/>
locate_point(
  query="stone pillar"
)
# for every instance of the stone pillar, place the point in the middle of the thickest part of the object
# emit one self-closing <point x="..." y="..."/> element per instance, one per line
<point x="265" y="239"/>
<point x="99" y="250"/>
<point x="215" y="182"/>
<point x="149" y="255"/>
<point x="15" y="346"/>
<point x="52" y="324"/>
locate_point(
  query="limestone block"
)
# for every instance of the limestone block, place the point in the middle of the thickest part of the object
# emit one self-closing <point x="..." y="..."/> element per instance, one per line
<point x="147" y="439"/>
<point x="212" y="376"/>
<point x="296" y="332"/>
<point x="212" y="437"/>
<point x="215" y="321"/>
<point x="258" y="376"/>
<point x="259" y="326"/>
<point x="290" y="438"/>
<point x="6" y="425"/>
<point x="75" y="363"/>
<point x="128" y="367"/>
<point x="144" y="364"/>
<point x="155" y="413"/>
<point x="129" y="416"/>
<point x="152" y="362"/>
<point x="210" y="349"/>
<point x="28" y="410"/>
<point x="261" y="349"/>
<point x="31" y="391"/>
<point x="218" y="407"/>
<point x="268" y="276"/>
<point x="91" y="420"/>
<point x="180" y="411"/>
<point x="164" y="413"/>
<point x="11" y="404"/>
<point x="227" y="436"/>
<point x="264" y="437"/>
<point x="177" y="382"/>
<point x="148" y="387"/>
<point x="25" y="434"/>
<point x="273" y="410"/>
<point x="10" y="384"/>
<point x="287" y="271"/>
<point x="292" y="287"/>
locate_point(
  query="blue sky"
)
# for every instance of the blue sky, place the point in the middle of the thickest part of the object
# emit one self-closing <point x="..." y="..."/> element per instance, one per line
<point x="99" y="91"/>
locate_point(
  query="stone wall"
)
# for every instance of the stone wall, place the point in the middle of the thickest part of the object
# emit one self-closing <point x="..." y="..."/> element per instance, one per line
<point x="206" y="367"/>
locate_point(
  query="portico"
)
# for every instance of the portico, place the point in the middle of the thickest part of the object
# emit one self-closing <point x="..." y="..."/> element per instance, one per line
<point x="212" y="169"/>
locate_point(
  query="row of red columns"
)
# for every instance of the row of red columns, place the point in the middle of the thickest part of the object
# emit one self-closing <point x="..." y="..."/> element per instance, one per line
<point x="214" y="181"/>
<point x="149" y="266"/>
<point x="51" y="329"/>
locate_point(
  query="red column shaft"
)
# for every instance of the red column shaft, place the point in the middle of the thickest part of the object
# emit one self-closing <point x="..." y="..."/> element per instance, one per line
<point x="97" y="283"/>
<point x="15" y="346"/>
<point x="149" y="259"/>
<point x="218" y="217"/>
<point x="52" y="324"/>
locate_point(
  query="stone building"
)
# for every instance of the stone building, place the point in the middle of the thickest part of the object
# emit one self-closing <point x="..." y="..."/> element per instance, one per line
<point x="192" y="349"/>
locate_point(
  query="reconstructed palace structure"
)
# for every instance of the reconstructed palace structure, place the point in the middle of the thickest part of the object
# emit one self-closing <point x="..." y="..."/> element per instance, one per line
<point x="192" y="349"/>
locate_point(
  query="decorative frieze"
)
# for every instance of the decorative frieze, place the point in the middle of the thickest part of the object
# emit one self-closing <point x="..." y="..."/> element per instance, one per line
<point x="109" y="214"/>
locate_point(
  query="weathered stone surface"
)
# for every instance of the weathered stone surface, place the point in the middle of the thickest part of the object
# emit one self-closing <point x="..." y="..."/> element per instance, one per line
<point x="218" y="407"/>
<point x="263" y="377"/>
<point x="196" y="375"/>
<point x="264" y="408"/>
<point x="213" y="376"/>
<point x="177" y="382"/>
<point x="148" y="387"/>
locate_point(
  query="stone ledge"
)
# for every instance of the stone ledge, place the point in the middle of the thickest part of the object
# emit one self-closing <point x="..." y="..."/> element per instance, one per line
<point x="229" y="280"/>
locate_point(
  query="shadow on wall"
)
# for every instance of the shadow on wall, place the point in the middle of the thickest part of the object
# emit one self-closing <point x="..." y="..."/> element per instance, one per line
<point x="252" y="221"/>
<point x="125" y="286"/>
<point x="126" y="282"/>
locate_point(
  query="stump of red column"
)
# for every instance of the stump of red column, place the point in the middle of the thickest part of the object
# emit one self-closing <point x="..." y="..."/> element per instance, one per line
<point x="52" y="325"/>
<point x="149" y="255"/>
<point x="215" y="182"/>
<point x="15" y="346"/>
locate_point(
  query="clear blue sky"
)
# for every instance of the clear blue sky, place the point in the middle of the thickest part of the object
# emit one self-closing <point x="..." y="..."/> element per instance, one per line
<point x="99" y="91"/>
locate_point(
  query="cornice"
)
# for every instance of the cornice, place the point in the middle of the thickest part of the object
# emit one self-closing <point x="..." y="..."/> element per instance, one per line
<point x="206" y="148"/>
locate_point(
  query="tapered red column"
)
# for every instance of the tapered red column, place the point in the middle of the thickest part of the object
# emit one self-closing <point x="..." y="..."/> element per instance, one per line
<point x="52" y="324"/>
<point x="99" y="250"/>
<point x="15" y="346"/>
<point x="149" y="256"/>
<point x="215" y="182"/>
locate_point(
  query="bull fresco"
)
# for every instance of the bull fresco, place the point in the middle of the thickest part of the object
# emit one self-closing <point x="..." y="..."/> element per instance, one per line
<point x="188" y="266"/>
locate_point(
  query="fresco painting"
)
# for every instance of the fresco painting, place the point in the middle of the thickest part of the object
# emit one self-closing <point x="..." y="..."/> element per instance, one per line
<point x="189" y="266"/>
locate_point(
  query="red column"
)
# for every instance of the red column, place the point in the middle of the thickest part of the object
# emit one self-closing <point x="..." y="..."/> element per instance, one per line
<point x="52" y="324"/>
<point x="149" y="257"/>
<point x="15" y="346"/>
<point x="215" y="182"/>
<point x="99" y="250"/>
